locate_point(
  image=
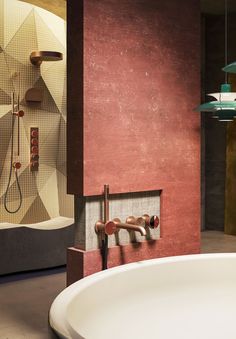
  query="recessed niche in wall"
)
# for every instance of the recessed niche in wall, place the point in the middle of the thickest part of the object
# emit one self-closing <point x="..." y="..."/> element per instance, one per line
<point x="25" y="28"/>
<point x="91" y="209"/>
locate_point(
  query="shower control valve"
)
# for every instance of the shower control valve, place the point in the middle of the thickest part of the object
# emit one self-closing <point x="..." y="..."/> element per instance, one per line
<point x="144" y="220"/>
<point x="34" y="150"/>
<point x="34" y="157"/>
<point x="34" y="141"/>
<point x="16" y="165"/>
<point x="152" y="222"/>
<point x="109" y="227"/>
<point x="34" y="133"/>
<point x="19" y="113"/>
<point x="34" y="165"/>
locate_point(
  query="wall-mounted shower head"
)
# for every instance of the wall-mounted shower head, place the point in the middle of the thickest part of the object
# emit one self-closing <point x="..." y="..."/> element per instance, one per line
<point x="37" y="57"/>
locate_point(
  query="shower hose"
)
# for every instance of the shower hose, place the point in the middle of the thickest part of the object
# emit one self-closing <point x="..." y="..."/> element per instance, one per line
<point x="12" y="167"/>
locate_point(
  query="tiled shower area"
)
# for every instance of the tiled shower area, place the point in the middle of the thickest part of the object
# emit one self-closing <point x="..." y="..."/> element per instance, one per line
<point x="33" y="196"/>
<point x="26" y="28"/>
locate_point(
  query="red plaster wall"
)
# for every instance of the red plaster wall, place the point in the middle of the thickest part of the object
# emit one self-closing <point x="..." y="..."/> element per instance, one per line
<point x="141" y="82"/>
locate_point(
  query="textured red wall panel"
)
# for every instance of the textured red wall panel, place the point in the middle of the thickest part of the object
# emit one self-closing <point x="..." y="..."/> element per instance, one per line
<point x="141" y="81"/>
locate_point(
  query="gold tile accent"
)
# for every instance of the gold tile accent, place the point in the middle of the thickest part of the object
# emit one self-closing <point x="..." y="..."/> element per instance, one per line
<point x="57" y="7"/>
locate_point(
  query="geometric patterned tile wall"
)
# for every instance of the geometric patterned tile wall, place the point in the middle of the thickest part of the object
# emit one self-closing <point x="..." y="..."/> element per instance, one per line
<point x="24" y="28"/>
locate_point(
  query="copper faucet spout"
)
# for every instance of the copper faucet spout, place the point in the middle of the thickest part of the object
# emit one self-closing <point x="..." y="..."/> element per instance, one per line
<point x="130" y="227"/>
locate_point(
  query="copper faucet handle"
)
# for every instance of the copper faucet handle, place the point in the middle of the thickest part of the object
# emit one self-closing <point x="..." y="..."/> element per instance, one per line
<point x="99" y="226"/>
<point x="152" y="222"/>
<point x="147" y="219"/>
<point x="110" y="227"/>
<point x="131" y="220"/>
<point x="140" y="221"/>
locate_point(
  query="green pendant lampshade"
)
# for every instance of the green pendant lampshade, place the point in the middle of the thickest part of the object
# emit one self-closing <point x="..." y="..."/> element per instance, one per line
<point x="224" y="107"/>
<point x="226" y="115"/>
<point x="231" y="68"/>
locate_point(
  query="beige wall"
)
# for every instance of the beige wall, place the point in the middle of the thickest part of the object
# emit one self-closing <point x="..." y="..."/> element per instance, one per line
<point x="24" y="28"/>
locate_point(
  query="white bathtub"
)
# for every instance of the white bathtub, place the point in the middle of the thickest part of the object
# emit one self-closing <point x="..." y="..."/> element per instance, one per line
<point x="185" y="297"/>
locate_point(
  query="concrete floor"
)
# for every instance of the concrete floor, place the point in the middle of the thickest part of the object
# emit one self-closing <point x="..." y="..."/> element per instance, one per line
<point x="26" y="298"/>
<point x="217" y="242"/>
<point x="24" y="303"/>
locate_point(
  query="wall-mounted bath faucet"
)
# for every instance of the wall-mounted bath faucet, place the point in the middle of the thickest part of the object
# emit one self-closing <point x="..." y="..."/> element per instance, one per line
<point x="107" y="227"/>
<point x="132" y="223"/>
<point x="138" y="224"/>
<point x="113" y="226"/>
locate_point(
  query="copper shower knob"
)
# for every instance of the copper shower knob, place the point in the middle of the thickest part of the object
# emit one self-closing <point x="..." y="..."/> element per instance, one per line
<point x="34" y="133"/>
<point x="110" y="228"/>
<point x="16" y="165"/>
<point x="99" y="226"/>
<point x="154" y="221"/>
<point x="147" y="219"/>
<point x="19" y="113"/>
<point x="131" y="220"/>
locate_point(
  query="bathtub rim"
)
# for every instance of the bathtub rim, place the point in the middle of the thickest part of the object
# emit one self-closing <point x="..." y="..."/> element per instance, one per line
<point x="58" y="310"/>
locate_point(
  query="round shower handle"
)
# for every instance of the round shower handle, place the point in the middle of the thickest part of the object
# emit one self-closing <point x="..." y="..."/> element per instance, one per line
<point x="110" y="227"/>
<point x="154" y="221"/>
<point x="34" y="149"/>
<point x="16" y="165"/>
<point x="20" y="113"/>
<point x="34" y="164"/>
<point x="34" y="133"/>
<point x="34" y="157"/>
<point x="34" y="141"/>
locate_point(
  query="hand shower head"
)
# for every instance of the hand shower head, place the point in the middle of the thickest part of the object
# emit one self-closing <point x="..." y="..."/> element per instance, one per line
<point x="37" y="57"/>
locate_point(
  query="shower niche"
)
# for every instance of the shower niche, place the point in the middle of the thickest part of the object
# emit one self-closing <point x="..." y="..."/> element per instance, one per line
<point x="43" y="226"/>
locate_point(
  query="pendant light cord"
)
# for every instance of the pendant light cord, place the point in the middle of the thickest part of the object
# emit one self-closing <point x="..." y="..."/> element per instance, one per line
<point x="226" y="39"/>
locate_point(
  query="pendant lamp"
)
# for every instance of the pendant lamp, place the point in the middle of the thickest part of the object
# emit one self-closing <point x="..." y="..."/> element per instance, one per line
<point x="224" y="107"/>
<point x="231" y="68"/>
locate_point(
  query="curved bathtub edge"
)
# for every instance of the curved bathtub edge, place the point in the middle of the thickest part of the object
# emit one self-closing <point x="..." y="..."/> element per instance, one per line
<point x="58" y="312"/>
